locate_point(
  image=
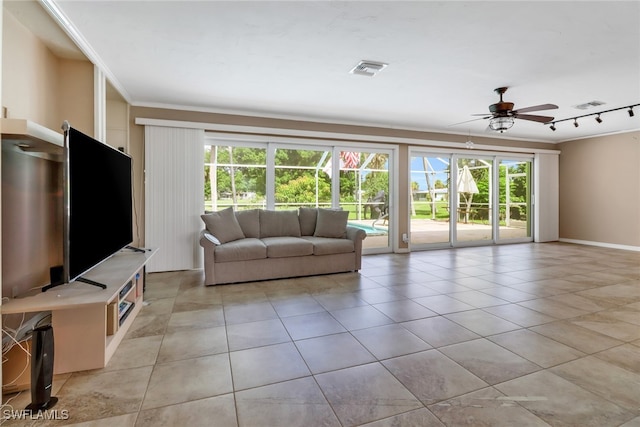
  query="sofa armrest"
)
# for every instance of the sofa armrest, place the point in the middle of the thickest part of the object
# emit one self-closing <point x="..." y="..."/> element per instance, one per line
<point x="357" y="235"/>
<point x="209" y="256"/>
<point x="206" y="238"/>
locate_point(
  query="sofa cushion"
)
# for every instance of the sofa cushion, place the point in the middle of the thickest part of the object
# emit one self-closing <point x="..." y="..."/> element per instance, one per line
<point x="331" y="223"/>
<point x="307" y="218"/>
<point x="223" y="225"/>
<point x="240" y="250"/>
<point x="283" y="247"/>
<point x="279" y="223"/>
<point x="328" y="246"/>
<point x="249" y="221"/>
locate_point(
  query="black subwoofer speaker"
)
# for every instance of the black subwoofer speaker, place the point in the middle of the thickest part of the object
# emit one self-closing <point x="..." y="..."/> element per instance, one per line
<point x="42" y="369"/>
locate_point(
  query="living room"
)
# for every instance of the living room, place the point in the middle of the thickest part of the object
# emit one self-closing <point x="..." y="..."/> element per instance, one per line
<point x="584" y="187"/>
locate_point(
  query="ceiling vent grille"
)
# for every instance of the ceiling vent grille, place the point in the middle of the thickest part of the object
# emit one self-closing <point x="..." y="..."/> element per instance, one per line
<point x="590" y="104"/>
<point x="368" y="68"/>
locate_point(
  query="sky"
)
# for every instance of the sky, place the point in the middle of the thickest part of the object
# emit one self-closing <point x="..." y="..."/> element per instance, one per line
<point x="439" y="165"/>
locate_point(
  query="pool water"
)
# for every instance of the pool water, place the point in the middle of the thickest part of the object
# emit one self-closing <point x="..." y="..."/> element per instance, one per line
<point x="371" y="231"/>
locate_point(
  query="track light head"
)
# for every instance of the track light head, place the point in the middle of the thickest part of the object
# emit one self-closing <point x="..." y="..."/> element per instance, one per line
<point x="631" y="112"/>
<point x="575" y="122"/>
<point x="553" y="126"/>
<point x="598" y="119"/>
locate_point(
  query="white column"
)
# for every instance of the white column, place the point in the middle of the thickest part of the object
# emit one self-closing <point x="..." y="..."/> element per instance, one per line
<point x="546" y="197"/>
<point x="99" y="105"/>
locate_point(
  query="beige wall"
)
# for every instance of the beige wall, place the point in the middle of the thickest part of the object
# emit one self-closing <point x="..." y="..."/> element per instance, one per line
<point x="41" y="87"/>
<point x="137" y="147"/>
<point x="600" y="189"/>
<point x="29" y="75"/>
<point x="117" y="124"/>
<point x="75" y="95"/>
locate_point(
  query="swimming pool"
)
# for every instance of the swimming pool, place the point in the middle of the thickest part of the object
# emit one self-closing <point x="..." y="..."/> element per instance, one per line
<point x="371" y="231"/>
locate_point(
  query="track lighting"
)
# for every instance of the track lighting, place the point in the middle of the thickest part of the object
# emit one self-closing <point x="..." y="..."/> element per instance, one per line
<point x="598" y="119"/>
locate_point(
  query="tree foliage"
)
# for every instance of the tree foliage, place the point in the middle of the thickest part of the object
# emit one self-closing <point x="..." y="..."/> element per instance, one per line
<point x="295" y="174"/>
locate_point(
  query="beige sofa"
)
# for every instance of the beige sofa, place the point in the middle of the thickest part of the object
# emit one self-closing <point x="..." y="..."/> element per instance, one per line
<point x="258" y="244"/>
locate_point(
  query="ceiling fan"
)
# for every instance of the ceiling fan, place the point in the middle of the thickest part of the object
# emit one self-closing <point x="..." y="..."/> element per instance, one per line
<point x="503" y="115"/>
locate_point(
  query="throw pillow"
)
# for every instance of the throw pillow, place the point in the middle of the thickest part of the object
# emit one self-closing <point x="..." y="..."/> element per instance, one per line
<point x="249" y="221"/>
<point x="223" y="225"/>
<point x="331" y="223"/>
<point x="279" y="223"/>
<point x="307" y="218"/>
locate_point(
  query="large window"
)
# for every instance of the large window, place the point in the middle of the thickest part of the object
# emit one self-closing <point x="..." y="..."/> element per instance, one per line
<point x="234" y="176"/>
<point x="287" y="176"/>
<point x="302" y="178"/>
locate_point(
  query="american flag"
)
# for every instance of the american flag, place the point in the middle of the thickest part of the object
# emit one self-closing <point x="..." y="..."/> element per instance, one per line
<point x="350" y="159"/>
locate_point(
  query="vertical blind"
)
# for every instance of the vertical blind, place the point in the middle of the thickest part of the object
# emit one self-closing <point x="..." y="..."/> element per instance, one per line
<point x="174" y="196"/>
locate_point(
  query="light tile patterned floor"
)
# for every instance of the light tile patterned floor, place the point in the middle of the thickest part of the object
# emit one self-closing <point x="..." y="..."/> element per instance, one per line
<point x="514" y="335"/>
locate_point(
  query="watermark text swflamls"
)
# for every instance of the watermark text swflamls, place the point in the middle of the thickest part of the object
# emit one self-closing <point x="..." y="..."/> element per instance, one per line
<point x="8" y="413"/>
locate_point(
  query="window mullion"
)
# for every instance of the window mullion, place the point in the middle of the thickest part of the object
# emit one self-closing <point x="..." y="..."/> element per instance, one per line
<point x="271" y="177"/>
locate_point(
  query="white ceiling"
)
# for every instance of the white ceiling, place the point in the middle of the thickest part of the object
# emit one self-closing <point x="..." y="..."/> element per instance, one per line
<point x="292" y="59"/>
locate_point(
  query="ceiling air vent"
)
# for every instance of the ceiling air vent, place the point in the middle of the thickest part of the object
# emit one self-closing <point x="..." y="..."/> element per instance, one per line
<point x="368" y="68"/>
<point x="590" y="104"/>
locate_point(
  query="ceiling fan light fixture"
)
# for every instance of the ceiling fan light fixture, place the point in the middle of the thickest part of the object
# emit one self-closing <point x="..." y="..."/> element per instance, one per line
<point x="501" y="124"/>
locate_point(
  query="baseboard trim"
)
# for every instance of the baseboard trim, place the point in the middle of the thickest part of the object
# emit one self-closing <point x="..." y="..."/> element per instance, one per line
<point x="601" y="244"/>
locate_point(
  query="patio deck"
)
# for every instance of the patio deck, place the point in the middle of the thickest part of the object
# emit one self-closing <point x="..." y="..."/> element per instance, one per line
<point x="427" y="231"/>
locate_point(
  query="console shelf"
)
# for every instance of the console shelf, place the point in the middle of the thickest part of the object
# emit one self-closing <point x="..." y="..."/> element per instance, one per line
<point x="79" y="312"/>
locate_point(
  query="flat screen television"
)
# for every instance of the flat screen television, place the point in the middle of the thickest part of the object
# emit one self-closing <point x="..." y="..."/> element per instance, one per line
<point x="98" y="203"/>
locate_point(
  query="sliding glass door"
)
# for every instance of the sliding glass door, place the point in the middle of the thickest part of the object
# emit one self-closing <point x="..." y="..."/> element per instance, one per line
<point x="515" y="199"/>
<point x="429" y="199"/>
<point x="364" y="190"/>
<point x="459" y="199"/>
<point x="473" y="202"/>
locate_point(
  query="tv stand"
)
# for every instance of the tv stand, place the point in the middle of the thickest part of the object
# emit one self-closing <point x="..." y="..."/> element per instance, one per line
<point x="88" y="325"/>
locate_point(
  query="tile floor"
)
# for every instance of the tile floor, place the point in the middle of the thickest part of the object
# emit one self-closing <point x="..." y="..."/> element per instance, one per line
<point x="517" y="335"/>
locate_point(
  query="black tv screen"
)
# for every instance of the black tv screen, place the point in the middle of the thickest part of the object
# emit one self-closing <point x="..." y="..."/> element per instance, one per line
<point x="99" y="208"/>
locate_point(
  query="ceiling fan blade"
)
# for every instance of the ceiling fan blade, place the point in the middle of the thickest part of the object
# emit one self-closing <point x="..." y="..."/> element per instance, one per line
<point x="483" y="114"/>
<point x="467" y="121"/>
<point x="536" y="108"/>
<point x="533" y="118"/>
